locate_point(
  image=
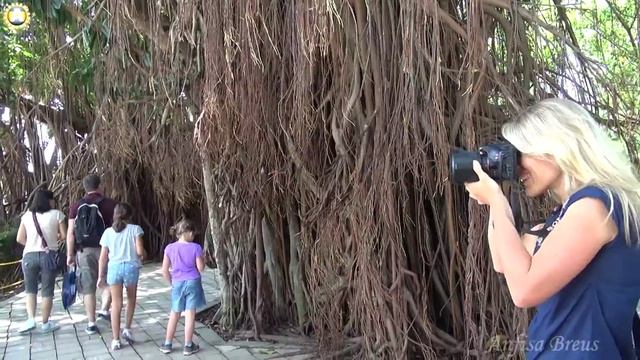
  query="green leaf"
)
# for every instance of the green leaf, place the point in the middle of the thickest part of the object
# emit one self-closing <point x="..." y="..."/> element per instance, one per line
<point x="51" y="12"/>
<point x="106" y="31"/>
<point x="147" y="60"/>
<point x="56" y="4"/>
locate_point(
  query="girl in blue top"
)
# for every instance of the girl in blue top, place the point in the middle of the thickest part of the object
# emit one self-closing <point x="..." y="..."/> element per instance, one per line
<point x="582" y="271"/>
<point x="122" y="247"/>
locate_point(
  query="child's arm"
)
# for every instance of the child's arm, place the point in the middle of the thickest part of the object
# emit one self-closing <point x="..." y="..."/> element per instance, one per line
<point x="140" y="247"/>
<point x="166" y="263"/>
<point x="102" y="267"/>
<point x="200" y="263"/>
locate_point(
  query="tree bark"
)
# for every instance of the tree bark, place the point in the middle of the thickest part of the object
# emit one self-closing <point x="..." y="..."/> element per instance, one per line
<point x="295" y="267"/>
<point x="219" y="243"/>
<point x="274" y="266"/>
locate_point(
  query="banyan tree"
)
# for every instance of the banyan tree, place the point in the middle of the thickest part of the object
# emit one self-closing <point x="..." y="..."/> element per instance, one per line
<point x="311" y="140"/>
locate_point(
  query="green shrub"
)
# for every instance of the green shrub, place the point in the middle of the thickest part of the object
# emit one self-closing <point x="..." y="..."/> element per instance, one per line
<point x="8" y="236"/>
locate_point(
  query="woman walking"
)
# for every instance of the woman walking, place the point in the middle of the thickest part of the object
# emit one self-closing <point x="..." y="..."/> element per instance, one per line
<point x="41" y="232"/>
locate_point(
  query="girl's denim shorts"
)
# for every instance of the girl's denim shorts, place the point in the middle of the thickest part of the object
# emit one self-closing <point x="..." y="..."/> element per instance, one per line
<point x="125" y="273"/>
<point x="187" y="295"/>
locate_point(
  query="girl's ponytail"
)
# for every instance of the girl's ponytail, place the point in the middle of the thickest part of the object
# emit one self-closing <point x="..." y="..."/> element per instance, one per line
<point x="181" y="227"/>
<point x="121" y="216"/>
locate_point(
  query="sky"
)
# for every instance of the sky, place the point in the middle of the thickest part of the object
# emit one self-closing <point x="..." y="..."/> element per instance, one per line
<point x="43" y="131"/>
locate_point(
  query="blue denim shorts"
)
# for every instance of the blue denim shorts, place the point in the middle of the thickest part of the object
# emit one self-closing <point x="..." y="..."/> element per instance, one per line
<point x="187" y="295"/>
<point x="125" y="273"/>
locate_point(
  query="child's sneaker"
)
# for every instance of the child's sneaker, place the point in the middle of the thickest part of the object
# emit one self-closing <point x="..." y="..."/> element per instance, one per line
<point x="191" y="349"/>
<point x="166" y="348"/>
<point x="104" y="315"/>
<point x="50" y="326"/>
<point x="115" y="345"/>
<point x="27" y="326"/>
<point x="126" y="335"/>
<point x="91" y="329"/>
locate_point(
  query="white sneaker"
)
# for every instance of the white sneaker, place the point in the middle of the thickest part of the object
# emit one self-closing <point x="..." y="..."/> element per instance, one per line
<point x="27" y="326"/>
<point x="50" y="326"/>
<point x="127" y="336"/>
<point x="115" y="345"/>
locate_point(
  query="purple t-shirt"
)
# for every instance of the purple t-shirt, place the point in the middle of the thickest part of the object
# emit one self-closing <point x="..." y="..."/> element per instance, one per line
<point x="183" y="260"/>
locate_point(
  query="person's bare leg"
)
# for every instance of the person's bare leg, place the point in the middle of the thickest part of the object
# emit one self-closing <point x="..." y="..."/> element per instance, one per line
<point x="90" y="307"/>
<point x="31" y="305"/>
<point x="171" y="326"/>
<point x="116" y="310"/>
<point x="47" y="303"/>
<point x="132" y="292"/>
<point x="105" y="302"/>
<point x="189" y="325"/>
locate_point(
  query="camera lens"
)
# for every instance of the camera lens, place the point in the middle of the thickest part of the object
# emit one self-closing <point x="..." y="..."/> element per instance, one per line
<point x="462" y="166"/>
<point x="499" y="160"/>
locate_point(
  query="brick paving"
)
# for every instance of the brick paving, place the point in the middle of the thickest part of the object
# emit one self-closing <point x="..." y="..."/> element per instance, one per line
<point x="70" y="342"/>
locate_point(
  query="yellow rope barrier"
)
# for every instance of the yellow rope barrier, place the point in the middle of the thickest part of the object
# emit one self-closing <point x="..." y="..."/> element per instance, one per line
<point x="11" y="263"/>
<point x="12" y="285"/>
<point x="15" y="283"/>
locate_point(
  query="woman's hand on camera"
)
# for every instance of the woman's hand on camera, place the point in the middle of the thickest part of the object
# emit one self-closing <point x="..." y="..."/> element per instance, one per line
<point x="486" y="190"/>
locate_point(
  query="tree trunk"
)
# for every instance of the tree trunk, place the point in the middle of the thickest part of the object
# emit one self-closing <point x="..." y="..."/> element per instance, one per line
<point x="259" y="250"/>
<point x="275" y="268"/>
<point x="220" y="250"/>
<point x="295" y="267"/>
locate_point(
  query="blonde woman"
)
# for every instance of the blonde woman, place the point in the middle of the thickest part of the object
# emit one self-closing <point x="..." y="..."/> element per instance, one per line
<point x="582" y="271"/>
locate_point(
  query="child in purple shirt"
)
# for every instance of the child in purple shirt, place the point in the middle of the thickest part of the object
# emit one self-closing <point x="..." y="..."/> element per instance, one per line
<point x="184" y="257"/>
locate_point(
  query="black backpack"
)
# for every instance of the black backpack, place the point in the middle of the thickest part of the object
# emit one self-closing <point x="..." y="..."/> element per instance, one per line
<point x="89" y="225"/>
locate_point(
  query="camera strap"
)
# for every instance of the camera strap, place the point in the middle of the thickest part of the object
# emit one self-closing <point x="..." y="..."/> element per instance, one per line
<point x="519" y="223"/>
<point x="516" y="209"/>
<point x="546" y="230"/>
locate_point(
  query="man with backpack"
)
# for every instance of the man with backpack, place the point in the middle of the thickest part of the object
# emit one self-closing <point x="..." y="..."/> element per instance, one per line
<point x="88" y="218"/>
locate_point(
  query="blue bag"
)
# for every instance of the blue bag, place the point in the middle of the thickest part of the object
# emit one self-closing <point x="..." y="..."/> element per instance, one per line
<point x="69" y="289"/>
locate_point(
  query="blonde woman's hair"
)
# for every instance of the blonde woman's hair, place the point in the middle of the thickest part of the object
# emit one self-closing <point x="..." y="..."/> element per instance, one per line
<point x="580" y="146"/>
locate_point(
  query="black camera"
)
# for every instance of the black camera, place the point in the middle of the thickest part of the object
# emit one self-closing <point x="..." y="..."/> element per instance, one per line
<point x="501" y="161"/>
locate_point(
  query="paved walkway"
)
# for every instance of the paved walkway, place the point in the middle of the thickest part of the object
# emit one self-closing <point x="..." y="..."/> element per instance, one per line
<point x="150" y="319"/>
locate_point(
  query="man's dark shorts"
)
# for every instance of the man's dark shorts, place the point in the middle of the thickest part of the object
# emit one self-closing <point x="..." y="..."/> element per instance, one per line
<point x="88" y="262"/>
